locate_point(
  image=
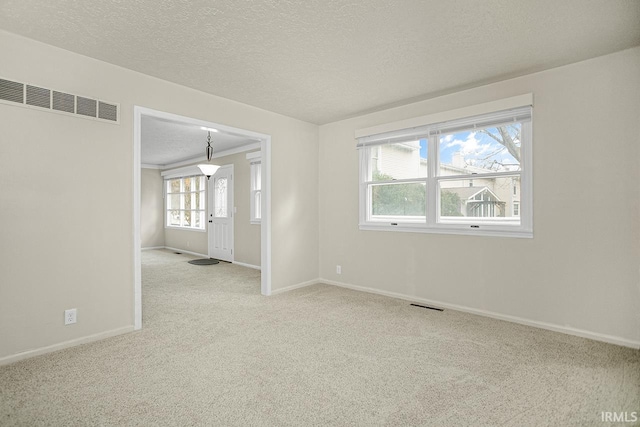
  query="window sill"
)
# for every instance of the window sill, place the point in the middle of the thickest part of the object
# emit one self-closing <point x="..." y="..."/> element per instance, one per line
<point x="198" y="230"/>
<point x="459" y="230"/>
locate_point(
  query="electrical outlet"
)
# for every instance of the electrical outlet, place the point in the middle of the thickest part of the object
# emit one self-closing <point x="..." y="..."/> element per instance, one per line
<point x="70" y="316"/>
<point x="338" y="269"/>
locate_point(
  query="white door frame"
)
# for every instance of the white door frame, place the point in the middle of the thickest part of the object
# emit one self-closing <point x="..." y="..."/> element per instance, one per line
<point x="230" y="206"/>
<point x="265" y="244"/>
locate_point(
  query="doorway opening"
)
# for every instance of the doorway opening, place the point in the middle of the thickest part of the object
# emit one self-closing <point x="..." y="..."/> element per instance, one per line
<point x="263" y="141"/>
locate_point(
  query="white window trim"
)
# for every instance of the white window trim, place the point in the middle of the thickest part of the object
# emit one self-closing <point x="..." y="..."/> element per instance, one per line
<point x="432" y="224"/>
<point x="254" y="158"/>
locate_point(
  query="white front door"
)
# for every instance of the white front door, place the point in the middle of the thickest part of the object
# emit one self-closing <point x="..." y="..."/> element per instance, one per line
<point x="220" y="195"/>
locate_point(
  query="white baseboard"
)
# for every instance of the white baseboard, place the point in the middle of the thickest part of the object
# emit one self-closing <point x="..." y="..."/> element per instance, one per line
<point x="611" y="339"/>
<point x="185" y="252"/>
<point x="152" y="248"/>
<point x="297" y="286"/>
<point x="60" y="346"/>
<point x="242" y="264"/>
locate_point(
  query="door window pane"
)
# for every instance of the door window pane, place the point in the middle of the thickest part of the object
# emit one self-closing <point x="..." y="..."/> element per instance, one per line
<point x="220" y="198"/>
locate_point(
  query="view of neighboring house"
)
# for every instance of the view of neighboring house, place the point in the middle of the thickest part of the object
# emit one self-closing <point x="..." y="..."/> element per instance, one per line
<point x="481" y="196"/>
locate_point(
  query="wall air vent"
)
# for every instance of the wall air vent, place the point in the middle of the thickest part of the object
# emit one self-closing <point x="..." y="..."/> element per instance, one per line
<point x="64" y="102"/>
<point x="11" y="91"/>
<point x="107" y="111"/>
<point x="38" y="97"/>
<point x="86" y="106"/>
<point x="30" y="96"/>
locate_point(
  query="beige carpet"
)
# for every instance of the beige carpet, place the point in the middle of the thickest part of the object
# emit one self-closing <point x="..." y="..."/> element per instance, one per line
<point x="213" y="351"/>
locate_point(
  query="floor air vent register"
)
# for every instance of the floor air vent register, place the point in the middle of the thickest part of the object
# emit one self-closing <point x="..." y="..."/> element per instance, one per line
<point x="427" y="307"/>
<point x="22" y="94"/>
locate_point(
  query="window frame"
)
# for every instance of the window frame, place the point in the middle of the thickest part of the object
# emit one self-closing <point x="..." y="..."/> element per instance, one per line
<point x="433" y="223"/>
<point x="255" y="207"/>
<point x="182" y="193"/>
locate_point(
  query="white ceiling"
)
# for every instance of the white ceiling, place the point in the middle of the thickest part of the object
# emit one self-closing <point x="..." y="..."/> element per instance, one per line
<point x="324" y="60"/>
<point x="165" y="142"/>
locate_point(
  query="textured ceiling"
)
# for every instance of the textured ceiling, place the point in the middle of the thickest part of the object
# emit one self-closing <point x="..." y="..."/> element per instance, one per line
<point x="165" y="141"/>
<point x="323" y="60"/>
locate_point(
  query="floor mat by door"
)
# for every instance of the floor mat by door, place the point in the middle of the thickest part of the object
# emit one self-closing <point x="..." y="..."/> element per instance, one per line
<point x="204" y="261"/>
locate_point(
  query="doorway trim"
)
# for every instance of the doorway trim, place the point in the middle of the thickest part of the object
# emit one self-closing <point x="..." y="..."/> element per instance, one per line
<point x="265" y="232"/>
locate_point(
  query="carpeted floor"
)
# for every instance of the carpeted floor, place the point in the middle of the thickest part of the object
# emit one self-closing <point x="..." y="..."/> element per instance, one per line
<point x="213" y="351"/>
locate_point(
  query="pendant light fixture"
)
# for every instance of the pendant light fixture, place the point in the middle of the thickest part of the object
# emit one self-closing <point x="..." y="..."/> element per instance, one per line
<point x="209" y="169"/>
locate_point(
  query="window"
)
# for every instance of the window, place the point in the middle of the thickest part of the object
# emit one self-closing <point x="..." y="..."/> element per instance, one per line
<point x="471" y="175"/>
<point x="256" y="192"/>
<point x="185" y="202"/>
<point x="256" y="187"/>
<point x="221" y="197"/>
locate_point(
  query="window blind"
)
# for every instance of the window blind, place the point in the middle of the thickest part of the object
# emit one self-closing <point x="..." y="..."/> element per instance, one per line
<point x="498" y="118"/>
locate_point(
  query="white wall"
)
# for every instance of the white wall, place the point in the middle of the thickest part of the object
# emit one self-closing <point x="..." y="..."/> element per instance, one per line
<point x="76" y="218"/>
<point x="151" y="208"/>
<point x="246" y="236"/>
<point x="187" y="240"/>
<point x="581" y="269"/>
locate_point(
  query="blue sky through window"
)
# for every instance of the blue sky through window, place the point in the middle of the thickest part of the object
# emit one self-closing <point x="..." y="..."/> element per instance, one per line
<point x="477" y="148"/>
<point x="423" y="148"/>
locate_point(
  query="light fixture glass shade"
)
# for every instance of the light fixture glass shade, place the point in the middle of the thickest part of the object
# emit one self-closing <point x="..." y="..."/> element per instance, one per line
<point x="208" y="169"/>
